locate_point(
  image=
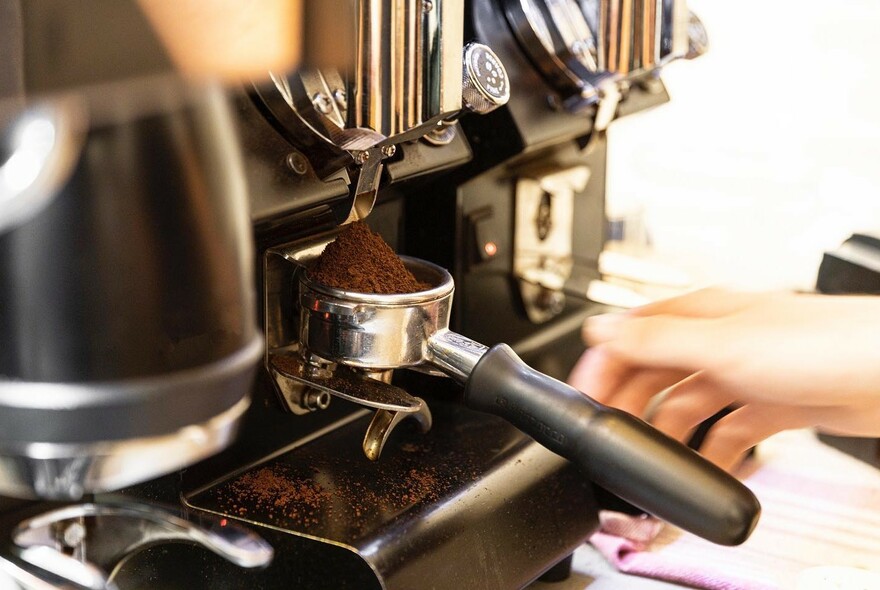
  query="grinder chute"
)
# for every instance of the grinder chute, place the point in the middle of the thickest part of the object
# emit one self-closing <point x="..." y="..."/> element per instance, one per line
<point x="399" y="71"/>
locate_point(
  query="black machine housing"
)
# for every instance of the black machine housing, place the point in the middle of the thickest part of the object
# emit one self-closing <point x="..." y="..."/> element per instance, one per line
<point x="473" y="502"/>
<point x="501" y="511"/>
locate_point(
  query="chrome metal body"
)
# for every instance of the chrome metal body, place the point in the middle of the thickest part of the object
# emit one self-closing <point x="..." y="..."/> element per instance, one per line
<point x="44" y="568"/>
<point x="349" y="342"/>
<point x="408" y="77"/>
<point x="406" y="74"/>
<point x="581" y="46"/>
<point x="304" y="381"/>
<point x="60" y="470"/>
<point x="639" y="35"/>
<point x="485" y="86"/>
<point x="455" y="354"/>
<point x="371" y="331"/>
<point x="408" y="65"/>
<point x="37" y="149"/>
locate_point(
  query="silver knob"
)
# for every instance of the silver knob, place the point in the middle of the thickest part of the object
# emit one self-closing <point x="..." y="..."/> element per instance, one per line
<point x="698" y="38"/>
<point x="485" y="85"/>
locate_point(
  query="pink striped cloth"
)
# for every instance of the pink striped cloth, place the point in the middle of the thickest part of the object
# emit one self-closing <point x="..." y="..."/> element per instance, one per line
<point x="820" y="507"/>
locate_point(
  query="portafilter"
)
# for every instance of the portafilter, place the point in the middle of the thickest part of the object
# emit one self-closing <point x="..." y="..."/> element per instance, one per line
<point x="614" y="449"/>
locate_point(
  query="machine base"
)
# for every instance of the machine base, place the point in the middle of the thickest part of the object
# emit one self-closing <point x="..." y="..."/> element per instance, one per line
<point x="471" y="504"/>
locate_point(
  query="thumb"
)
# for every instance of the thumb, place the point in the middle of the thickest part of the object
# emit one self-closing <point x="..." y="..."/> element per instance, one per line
<point x="657" y="341"/>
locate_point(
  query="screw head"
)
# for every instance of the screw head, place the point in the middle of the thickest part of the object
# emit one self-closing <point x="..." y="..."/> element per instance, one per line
<point x="389" y="150"/>
<point x="74" y="534"/>
<point x="551" y="301"/>
<point x="341" y="98"/>
<point x="360" y="158"/>
<point x="441" y="135"/>
<point x="323" y="103"/>
<point x="316" y="399"/>
<point x="297" y="162"/>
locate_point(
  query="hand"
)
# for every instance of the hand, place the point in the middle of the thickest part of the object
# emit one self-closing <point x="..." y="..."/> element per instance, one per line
<point x="782" y="360"/>
<point x="228" y="39"/>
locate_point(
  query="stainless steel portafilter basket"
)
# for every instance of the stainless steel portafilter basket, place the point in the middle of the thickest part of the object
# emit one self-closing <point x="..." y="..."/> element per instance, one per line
<point x="614" y="449"/>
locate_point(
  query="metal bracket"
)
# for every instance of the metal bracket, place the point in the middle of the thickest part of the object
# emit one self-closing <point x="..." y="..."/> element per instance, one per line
<point x="345" y="383"/>
<point x="367" y="187"/>
<point x="84" y="545"/>
<point x="543" y="229"/>
<point x="299" y="379"/>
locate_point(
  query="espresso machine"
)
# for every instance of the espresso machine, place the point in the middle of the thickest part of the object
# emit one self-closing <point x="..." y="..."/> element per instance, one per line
<point x="200" y="420"/>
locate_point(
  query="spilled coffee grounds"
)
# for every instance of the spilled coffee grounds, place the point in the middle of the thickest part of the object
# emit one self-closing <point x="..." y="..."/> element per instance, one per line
<point x="359" y="260"/>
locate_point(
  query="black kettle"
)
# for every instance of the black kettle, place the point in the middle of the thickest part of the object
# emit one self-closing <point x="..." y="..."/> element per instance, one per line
<point x="127" y="309"/>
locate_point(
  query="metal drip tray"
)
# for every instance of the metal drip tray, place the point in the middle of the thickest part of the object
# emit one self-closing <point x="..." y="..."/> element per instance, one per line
<point x="473" y="503"/>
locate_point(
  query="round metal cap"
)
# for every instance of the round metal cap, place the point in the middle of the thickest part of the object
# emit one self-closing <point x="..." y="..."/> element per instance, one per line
<point x="485" y="85"/>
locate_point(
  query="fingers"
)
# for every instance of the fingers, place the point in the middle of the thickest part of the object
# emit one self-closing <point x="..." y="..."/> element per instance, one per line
<point x="658" y="341"/>
<point x="732" y="436"/>
<point x="861" y="420"/>
<point x="598" y="374"/>
<point x="609" y="381"/>
<point x="705" y="303"/>
<point x="687" y="404"/>
<point x="683" y="332"/>
<point x="636" y="392"/>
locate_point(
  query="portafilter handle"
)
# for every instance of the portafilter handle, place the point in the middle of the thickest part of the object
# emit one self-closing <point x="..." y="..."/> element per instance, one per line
<point x="616" y="450"/>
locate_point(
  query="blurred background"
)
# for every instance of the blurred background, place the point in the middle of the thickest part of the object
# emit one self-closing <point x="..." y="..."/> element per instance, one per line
<point x="768" y="153"/>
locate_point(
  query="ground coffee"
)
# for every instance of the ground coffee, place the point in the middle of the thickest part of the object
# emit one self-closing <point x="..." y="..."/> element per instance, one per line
<point x="359" y="260"/>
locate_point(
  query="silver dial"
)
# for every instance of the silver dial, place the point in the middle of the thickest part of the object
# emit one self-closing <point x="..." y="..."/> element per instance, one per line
<point x="485" y="85"/>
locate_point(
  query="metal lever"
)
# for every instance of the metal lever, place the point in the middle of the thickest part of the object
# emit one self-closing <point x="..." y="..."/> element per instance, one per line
<point x="124" y="528"/>
<point x="367" y="186"/>
<point x="343" y="382"/>
<point x="392" y="404"/>
<point x="385" y="421"/>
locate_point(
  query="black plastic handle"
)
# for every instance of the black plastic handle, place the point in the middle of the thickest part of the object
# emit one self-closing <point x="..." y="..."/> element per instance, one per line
<point x="619" y="452"/>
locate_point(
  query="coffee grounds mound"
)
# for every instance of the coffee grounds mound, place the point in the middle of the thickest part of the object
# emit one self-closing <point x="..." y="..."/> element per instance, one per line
<point x="359" y="260"/>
